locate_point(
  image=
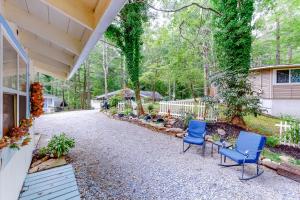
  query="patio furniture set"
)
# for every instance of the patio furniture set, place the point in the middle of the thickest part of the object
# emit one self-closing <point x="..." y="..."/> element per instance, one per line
<point x="246" y="150"/>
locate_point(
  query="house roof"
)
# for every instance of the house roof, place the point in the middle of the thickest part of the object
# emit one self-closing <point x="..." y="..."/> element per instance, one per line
<point x="275" y="67"/>
<point x="129" y="93"/>
<point x="58" y="35"/>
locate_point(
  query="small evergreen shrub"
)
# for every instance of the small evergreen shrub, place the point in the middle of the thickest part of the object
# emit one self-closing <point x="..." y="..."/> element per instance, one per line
<point x="127" y="111"/>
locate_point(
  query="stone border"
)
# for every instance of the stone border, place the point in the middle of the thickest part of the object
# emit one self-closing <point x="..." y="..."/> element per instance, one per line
<point x="283" y="169"/>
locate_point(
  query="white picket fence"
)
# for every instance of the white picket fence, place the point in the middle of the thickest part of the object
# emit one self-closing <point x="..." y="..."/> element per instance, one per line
<point x="283" y="128"/>
<point x="121" y="107"/>
<point x="182" y="107"/>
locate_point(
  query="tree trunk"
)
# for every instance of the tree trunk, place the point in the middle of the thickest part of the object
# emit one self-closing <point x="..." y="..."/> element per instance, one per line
<point x="290" y="55"/>
<point x="123" y="67"/>
<point x="277" y="41"/>
<point x="105" y="69"/>
<point x="88" y="85"/>
<point x="174" y="90"/>
<point x="138" y="99"/>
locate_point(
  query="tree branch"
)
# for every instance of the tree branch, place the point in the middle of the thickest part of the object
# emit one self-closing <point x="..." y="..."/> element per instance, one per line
<point x="182" y="8"/>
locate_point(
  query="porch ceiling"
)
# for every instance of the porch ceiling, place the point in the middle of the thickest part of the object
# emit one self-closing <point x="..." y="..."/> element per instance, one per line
<point x="58" y="35"/>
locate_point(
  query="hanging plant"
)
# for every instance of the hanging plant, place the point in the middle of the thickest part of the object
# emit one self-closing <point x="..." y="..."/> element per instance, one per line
<point x="36" y="99"/>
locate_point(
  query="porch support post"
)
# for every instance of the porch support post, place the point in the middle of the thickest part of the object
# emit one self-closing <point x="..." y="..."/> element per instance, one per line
<point x="1" y="81"/>
<point x="27" y="89"/>
<point x="18" y="89"/>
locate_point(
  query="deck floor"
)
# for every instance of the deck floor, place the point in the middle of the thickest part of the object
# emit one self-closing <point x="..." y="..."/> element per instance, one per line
<point x="58" y="183"/>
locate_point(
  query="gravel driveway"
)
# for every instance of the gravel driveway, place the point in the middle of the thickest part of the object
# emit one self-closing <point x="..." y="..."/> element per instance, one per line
<point x="118" y="160"/>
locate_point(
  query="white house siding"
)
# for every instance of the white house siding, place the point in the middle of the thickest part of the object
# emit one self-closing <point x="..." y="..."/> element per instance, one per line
<point x="282" y="107"/>
<point x="13" y="169"/>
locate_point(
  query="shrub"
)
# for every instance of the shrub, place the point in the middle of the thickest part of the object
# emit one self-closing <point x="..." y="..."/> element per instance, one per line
<point x="293" y="133"/>
<point x="43" y="151"/>
<point x="60" y="145"/>
<point x="114" y="100"/>
<point x="272" y="141"/>
<point x="187" y="118"/>
<point x="150" y="108"/>
<point x="127" y="111"/>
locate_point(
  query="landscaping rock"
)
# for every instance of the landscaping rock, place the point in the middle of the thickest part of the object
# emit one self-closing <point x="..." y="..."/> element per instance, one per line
<point x="174" y="130"/>
<point x="180" y="135"/>
<point x="289" y="171"/>
<point x="51" y="163"/>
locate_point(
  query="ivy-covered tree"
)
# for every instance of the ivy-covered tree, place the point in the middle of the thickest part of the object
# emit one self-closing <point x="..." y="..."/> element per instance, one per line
<point x="127" y="35"/>
<point x="232" y="35"/>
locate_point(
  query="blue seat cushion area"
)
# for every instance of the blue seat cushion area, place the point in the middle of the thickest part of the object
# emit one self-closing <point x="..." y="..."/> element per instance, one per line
<point x="193" y="140"/>
<point x="236" y="156"/>
<point x="196" y="128"/>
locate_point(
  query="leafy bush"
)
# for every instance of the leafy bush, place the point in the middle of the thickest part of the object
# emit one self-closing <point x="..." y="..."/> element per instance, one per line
<point x="60" y="145"/>
<point x="114" y="100"/>
<point x="150" y="107"/>
<point x="272" y="141"/>
<point x="43" y="151"/>
<point x="127" y="111"/>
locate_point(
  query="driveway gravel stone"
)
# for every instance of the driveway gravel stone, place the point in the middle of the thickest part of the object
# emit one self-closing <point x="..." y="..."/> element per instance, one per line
<point x="118" y="160"/>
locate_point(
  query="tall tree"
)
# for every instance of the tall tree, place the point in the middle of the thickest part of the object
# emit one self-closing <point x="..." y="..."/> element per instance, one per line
<point x="127" y="35"/>
<point x="232" y="35"/>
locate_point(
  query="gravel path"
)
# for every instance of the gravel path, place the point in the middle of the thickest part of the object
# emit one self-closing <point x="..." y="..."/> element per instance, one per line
<point x="118" y="160"/>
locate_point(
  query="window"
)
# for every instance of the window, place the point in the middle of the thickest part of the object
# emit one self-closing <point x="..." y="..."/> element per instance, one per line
<point x="9" y="112"/>
<point x="22" y="107"/>
<point x="22" y="75"/>
<point x="295" y="75"/>
<point x="288" y="76"/>
<point x="10" y="66"/>
<point x="283" y="76"/>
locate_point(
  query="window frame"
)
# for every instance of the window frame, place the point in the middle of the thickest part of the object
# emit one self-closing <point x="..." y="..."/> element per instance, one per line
<point x="290" y="76"/>
<point x="17" y="92"/>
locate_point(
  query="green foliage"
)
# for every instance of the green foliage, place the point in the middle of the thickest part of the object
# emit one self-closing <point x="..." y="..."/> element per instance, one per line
<point x="292" y="134"/>
<point x="150" y="107"/>
<point x="127" y="35"/>
<point x="43" y="151"/>
<point x="114" y="100"/>
<point x="295" y="162"/>
<point x="271" y="155"/>
<point x="187" y="118"/>
<point x="60" y="145"/>
<point x="232" y="35"/>
<point x="272" y="141"/>
<point x="127" y="111"/>
<point x="14" y="146"/>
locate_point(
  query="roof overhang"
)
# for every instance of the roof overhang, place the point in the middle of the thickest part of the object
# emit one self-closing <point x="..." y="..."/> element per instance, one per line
<point x="58" y="35"/>
<point x="275" y="67"/>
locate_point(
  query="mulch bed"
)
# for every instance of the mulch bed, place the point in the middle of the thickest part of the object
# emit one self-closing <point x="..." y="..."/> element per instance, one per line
<point x="231" y="130"/>
<point x="288" y="150"/>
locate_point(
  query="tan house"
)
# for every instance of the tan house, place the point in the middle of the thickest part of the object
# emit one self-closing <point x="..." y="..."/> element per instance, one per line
<point x="279" y="88"/>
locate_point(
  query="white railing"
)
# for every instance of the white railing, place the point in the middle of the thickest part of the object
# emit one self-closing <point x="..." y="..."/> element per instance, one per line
<point x="182" y="107"/>
<point x="121" y="107"/>
<point x="283" y="128"/>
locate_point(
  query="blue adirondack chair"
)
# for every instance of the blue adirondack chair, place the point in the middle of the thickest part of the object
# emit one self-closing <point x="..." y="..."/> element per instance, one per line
<point x="195" y="134"/>
<point x="247" y="149"/>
